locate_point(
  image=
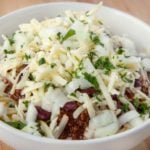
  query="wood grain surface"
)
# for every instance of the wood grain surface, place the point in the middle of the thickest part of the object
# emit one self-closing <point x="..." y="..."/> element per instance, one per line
<point x="138" y="8"/>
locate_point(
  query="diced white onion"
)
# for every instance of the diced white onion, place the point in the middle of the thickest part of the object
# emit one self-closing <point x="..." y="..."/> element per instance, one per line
<point x="77" y="112"/>
<point x="3" y="110"/>
<point x="31" y="114"/>
<point x="136" y="122"/>
<point x="77" y="83"/>
<point x="61" y="126"/>
<point x="104" y="90"/>
<point x="88" y="104"/>
<point x="127" y="117"/>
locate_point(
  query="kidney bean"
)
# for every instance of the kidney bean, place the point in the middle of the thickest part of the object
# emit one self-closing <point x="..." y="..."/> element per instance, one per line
<point x="90" y="91"/>
<point x="43" y="114"/>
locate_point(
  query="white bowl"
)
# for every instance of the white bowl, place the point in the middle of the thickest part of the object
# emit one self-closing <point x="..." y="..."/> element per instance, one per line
<point x="119" y="23"/>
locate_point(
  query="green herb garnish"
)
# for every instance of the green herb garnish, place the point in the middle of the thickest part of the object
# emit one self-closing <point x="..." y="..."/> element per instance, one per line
<point x="27" y="57"/>
<point x="31" y="77"/>
<point x="9" y="51"/>
<point x="53" y="65"/>
<point x="69" y="34"/>
<point x="17" y="124"/>
<point x="71" y="19"/>
<point x="26" y="103"/>
<point x="105" y="64"/>
<point x="91" y="56"/>
<point x="59" y="36"/>
<point x="144" y="109"/>
<point x="42" y="61"/>
<point x="92" y="79"/>
<point x="124" y="77"/>
<point x="141" y="107"/>
<point x="11" y="40"/>
<point x="46" y="86"/>
<point x="125" y="108"/>
<point x="73" y="94"/>
<point x="120" y="51"/>
<point x="95" y="39"/>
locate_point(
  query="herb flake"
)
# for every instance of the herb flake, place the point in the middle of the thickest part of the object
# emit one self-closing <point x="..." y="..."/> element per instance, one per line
<point x="69" y="34"/>
<point x="92" y="79"/>
<point x="17" y="124"/>
<point x="9" y="51"/>
<point x="42" y="61"/>
<point x="27" y="57"/>
<point x="31" y="77"/>
<point x="125" y="108"/>
<point x="26" y="103"/>
<point x="95" y="39"/>
<point x="105" y="64"/>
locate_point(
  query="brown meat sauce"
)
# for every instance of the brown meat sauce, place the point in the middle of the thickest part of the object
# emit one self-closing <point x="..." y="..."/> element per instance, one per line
<point x="75" y="128"/>
<point x="17" y="93"/>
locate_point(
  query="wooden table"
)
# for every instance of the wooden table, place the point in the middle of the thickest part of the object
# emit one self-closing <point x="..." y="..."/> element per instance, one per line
<point x="138" y="8"/>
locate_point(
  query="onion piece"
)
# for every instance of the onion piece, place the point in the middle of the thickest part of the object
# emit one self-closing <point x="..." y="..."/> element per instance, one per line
<point x="77" y="112"/>
<point x="127" y="117"/>
<point x="104" y="90"/>
<point x="2" y="109"/>
<point x="59" y="129"/>
<point x="88" y="104"/>
<point x="103" y="124"/>
<point x="136" y="122"/>
<point x="46" y="129"/>
<point x="107" y="130"/>
<point x="77" y="83"/>
<point x="31" y="114"/>
<point x="143" y="95"/>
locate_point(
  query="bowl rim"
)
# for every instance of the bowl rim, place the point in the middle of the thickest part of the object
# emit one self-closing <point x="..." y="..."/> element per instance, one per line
<point x="78" y="142"/>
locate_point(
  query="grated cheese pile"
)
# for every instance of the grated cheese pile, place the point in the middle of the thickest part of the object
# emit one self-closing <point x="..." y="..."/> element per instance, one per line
<point x="46" y="64"/>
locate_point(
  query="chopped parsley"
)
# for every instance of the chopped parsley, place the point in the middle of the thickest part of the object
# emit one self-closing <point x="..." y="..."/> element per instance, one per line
<point x="11" y="40"/>
<point x="92" y="79"/>
<point x="141" y="107"/>
<point x="91" y="56"/>
<point x="71" y="19"/>
<point x="46" y="86"/>
<point x="124" y="77"/>
<point x="27" y="57"/>
<point x="42" y="61"/>
<point x="17" y="124"/>
<point x="69" y="34"/>
<point x="144" y="109"/>
<point x="59" y="36"/>
<point x="73" y="94"/>
<point x="53" y="65"/>
<point x="125" y="108"/>
<point x="120" y="51"/>
<point x="95" y="39"/>
<point x="105" y="64"/>
<point x="26" y="103"/>
<point x="136" y="102"/>
<point x="9" y="51"/>
<point x="31" y="77"/>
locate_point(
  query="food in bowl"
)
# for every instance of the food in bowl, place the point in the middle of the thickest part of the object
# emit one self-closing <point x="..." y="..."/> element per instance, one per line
<point x="69" y="78"/>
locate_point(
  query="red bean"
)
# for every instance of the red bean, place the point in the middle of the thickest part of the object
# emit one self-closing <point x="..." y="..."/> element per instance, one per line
<point x="75" y="128"/>
<point x="115" y="98"/>
<point x="90" y="91"/>
<point x="129" y="93"/>
<point x="43" y="114"/>
<point x="8" y="85"/>
<point x="70" y="106"/>
<point x="138" y="82"/>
